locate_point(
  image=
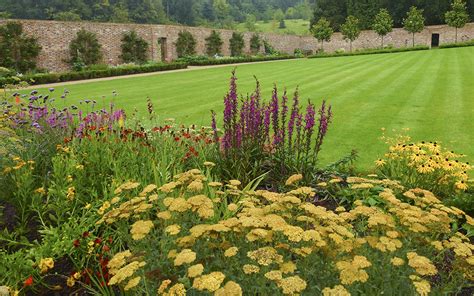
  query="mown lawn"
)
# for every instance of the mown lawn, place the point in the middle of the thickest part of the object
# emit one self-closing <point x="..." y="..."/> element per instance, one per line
<point x="430" y="92"/>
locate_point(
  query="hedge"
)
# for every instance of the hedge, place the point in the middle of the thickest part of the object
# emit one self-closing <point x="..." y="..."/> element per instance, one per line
<point x="370" y="51"/>
<point x="203" y="61"/>
<point x="45" y="78"/>
<point x="459" y="44"/>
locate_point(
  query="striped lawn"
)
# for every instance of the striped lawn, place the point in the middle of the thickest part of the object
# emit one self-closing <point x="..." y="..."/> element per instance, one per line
<point x="430" y="92"/>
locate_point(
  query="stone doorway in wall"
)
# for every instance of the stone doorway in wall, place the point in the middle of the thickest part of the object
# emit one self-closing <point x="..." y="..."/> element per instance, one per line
<point x="162" y="45"/>
<point x="434" y="40"/>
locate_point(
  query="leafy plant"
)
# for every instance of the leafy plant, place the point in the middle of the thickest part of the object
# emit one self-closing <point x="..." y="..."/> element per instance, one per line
<point x="85" y="49"/>
<point x="214" y="44"/>
<point x="134" y="48"/>
<point x="186" y="44"/>
<point x="350" y="29"/>
<point x="255" y="44"/>
<point x="414" y="22"/>
<point x="457" y="17"/>
<point x="17" y="50"/>
<point x="383" y="23"/>
<point x="322" y="31"/>
<point x="236" y="44"/>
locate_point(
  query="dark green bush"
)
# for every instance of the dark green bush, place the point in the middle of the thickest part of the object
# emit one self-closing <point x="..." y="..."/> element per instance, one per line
<point x="85" y="49"/>
<point x="370" y="51"/>
<point x="203" y="60"/>
<point x="134" y="48"/>
<point x="186" y="44"/>
<point x="45" y="78"/>
<point x="459" y="44"/>
<point x="237" y="44"/>
<point x="255" y="44"/>
<point x="214" y="44"/>
<point x="17" y="51"/>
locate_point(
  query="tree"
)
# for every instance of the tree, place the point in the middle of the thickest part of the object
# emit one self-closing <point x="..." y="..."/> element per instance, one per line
<point x="322" y="31"/>
<point x="350" y="29"/>
<point x="255" y="44"/>
<point x="120" y="15"/>
<point x="457" y="17"/>
<point x="237" y="44"/>
<point x="383" y="23"/>
<point x="214" y="44"/>
<point x="134" y="48"/>
<point x="67" y="16"/>
<point x="85" y="48"/>
<point x="250" y="21"/>
<point x="17" y="50"/>
<point x="414" y="22"/>
<point x="186" y="44"/>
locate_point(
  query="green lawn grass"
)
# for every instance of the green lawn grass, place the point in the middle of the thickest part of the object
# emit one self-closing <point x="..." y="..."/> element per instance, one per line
<point x="293" y="27"/>
<point x="430" y="92"/>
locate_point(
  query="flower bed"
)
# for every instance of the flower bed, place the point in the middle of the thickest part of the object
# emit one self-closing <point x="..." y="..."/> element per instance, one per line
<point x="203" y="60"/>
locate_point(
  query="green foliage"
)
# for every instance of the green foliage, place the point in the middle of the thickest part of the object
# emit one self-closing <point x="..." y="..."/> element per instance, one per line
<point x="370" y="51"/>
<point x="414" y="22"/>
<point x="85" y="73"/>
<point x="250" y="21"/>
<point x="236" y="44"/>
<point x="134" y="48"/>
<point x="383" y="23"/>
<point x="67" y="16"/>
<point x="214" y="44"/>
<point x="186" y="44"/>
<point x="322" y="31"/>
<point x="205" y="60"/>
<point x="255" y="44"/>
<point x="17" y="50"/>
<point x="457" y="44"/>
<point x="85" y="49"/>
<point x="457" y="17"/>
<point x="5" y="72"/>
<point x="350" y="29"/>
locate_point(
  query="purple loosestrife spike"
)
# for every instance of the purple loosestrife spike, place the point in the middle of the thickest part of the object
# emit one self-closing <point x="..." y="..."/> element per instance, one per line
<point x="214" y="126"/>
<point x="284" y="113"/>
<point x="266" y="122"/>
<point x="275" y="116"/>
<point x="309" y="118"/>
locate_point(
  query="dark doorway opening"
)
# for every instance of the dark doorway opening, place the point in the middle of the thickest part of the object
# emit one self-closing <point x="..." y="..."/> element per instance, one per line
<point x="163" y="49"/>
<point x="434" y="40"/>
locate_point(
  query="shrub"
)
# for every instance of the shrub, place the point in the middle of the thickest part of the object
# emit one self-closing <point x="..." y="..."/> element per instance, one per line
<point x="458" y="44"/>
<point x="259" y="137"/>
<point x="5" y="72"/>
<point x="237" y="44"/>
<point x="369" y="51"/>
<point x="204" y="60"/>
<point x="214" y="44"/>
<point x="85" y="49"/>
<point x="186" y="44"/>
<point x="134" y="48"/>
<point x="17" y="51"/>
<point x="255" y="44"/>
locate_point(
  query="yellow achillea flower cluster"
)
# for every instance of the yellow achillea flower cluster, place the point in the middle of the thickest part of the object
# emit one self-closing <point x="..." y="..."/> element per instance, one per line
<point x="231" y="252"/>
<point x="422" y="286"/>
<point x="249" y="269"/>
<point x="353" y="271"/>
<point x="230" y="289"/>
<point x="121" y="270"/>
<point x="140" y="229"/>
<point x="195" y="270"/>
<point x="210" y="282"/>
<point x="338" y="290"/>
<point x="186" y="256"/>
<point x="293" y="179"/>
<point x="421" y="264"/>
<point x="292" y="285"/>
<point x="265" y="256"/>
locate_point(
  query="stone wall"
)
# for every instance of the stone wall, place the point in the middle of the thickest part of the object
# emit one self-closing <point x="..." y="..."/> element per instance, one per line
<point x="54" y="37"/>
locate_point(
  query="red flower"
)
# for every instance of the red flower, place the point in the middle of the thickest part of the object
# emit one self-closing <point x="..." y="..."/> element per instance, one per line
<point x="106" y="248"/>
<point x="110" y="239"/>
<point x="177" y="139"/>
<point x="85" y="234"/>
<point x="28" y="282"/>
<point x="76" y="243"/>
<point x="97" y="241"/>
<point x="17" y="100"/>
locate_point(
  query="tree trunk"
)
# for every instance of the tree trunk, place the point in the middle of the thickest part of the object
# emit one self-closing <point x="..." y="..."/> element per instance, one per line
<point x="322" y="45"/>
<point x="456" y="38"/>
<point x="413" y="39"/>
<point x="382" y="41"/>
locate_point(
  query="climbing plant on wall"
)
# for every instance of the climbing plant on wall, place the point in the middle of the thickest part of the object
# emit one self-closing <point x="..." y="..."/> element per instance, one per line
<point x="85" y="49"/>
<point x="134" y="48"/>
<point x="214" y="43"/>
<point x="186" y="44"/>
<point x="237" y="44"/>
<point x="17" y="50"/>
